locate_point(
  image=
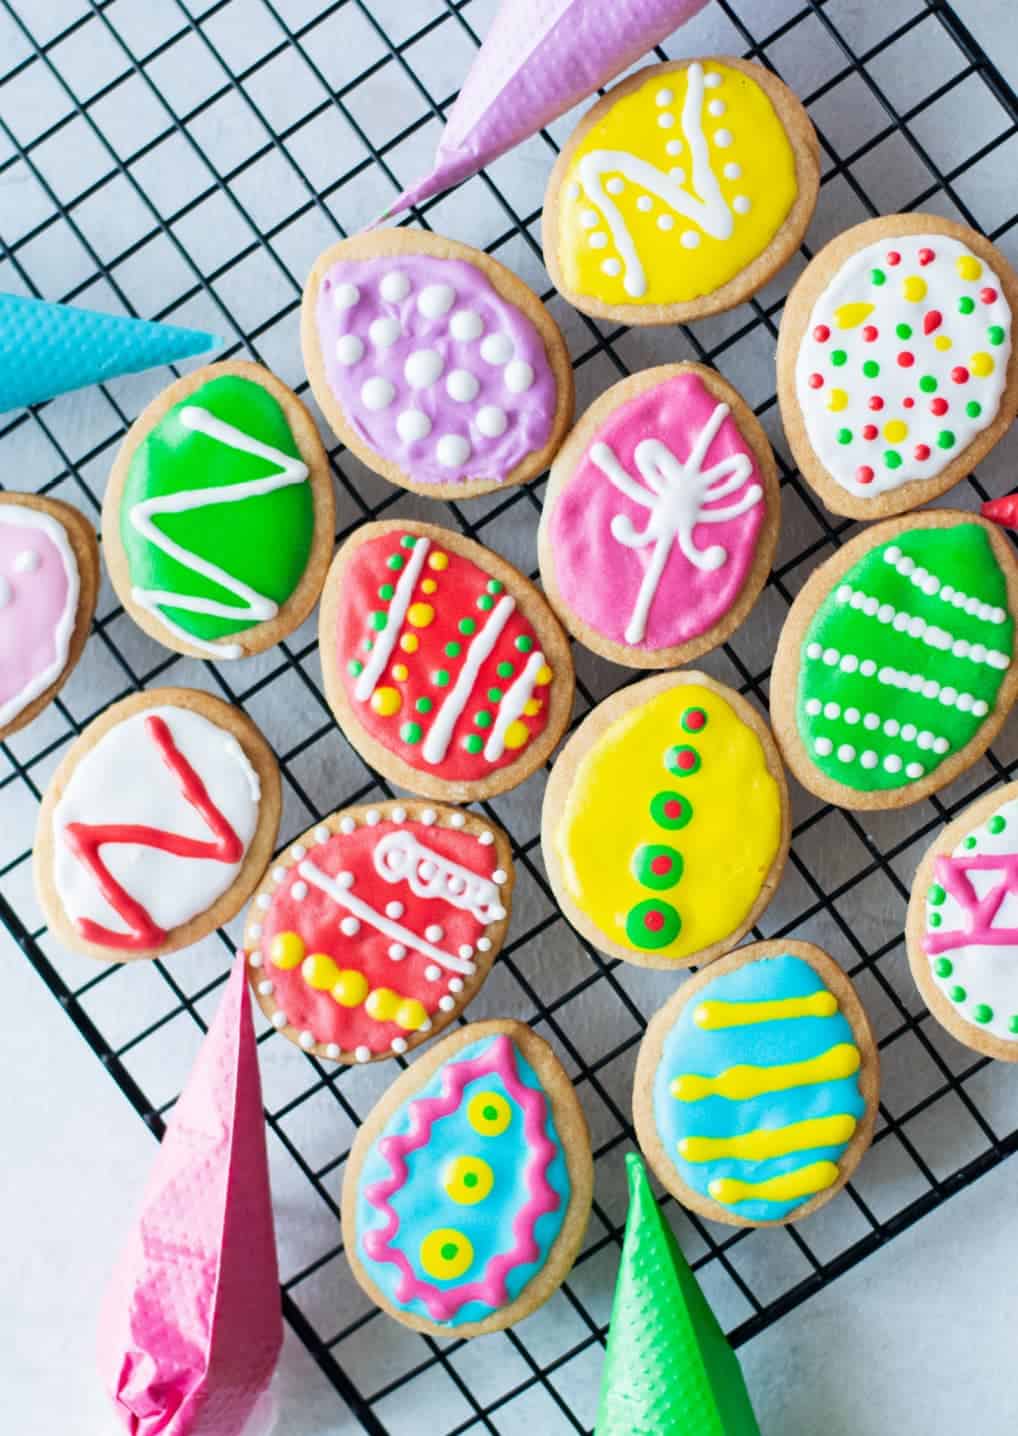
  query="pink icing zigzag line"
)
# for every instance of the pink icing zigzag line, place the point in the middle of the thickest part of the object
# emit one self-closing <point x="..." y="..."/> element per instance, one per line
<point x="424" y="1113"/>
<point x="977" y="929"/>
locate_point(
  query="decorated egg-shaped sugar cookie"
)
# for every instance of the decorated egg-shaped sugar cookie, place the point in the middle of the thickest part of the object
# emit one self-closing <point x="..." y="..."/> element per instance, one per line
<point x="218" y="518"/>
<point x="434" y="363"/>
<point x="665" y="824"/>
<point x="895" y="370"/>
<point x="376" y="927"/>
<point x="661" y="518"/>
<point x="894" y="670"/>
<point x="681" y="193"/>
<point x="467" y="1191"/>
<point x="444" y="666"/>
<point x="49" y="579"/>
<point x="962" y="925"/>
<point x="755" y="1093"/>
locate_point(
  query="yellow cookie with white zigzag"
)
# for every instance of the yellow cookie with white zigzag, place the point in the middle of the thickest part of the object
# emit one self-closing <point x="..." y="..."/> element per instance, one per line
<point x="681" y="193"/>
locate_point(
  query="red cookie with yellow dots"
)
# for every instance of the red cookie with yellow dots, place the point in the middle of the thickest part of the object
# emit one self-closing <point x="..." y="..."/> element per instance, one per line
<point x="897" y="371"/>
<point x="444" y="666"/>
<point x="376" y="927"/>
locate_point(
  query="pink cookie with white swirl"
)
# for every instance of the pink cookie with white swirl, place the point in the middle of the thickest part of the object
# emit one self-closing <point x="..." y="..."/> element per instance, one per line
<point x="434" y="364"/>
<point x="661" y="518"/>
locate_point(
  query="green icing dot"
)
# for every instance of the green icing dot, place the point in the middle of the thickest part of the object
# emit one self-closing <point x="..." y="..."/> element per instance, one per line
<point x="411" y="732"/>
<point x="871" y="368"/>
<point x="486" y="602"/>
<point x="928" y="384"/>
<point x="892" y="459"/>
<point x="844" y="436"/>
<point x="969" y="843"/>
<point x="1012" y="1024"/>
<point x="997" y="824"/>
<point x="957" y="994"/>
<point x="467" y="626"/>
<point x="973" y="408"/>
<point x="524" y="643"/>
<point x="454" y="649"/>
<point x="483" y="718"/>
<point x="657" y="866"/>
<point x="386" y="592"/>
<point x="495" y="585"/>
<point x="995" y="334"/>
<point x="838" y="357"/>
<point x="449" y="1250"/>
<point x="424" y="705"/>
<point x="943" y="967"/>
<point x="966" y="304"/>
<point x="682" y="760"/>
<point x="494" y="695"/>
<point x="935" y="919"/>
<point x="408" y="541"/>
<point x="355" y="667"/>
<point x="473" y="743"/>
<point x="440" y="678"/>
<point x="366" y="644"/>
<point x="395" y="562"/>
<point x="504" y="670"/>
<point x="903" y="331"/>
<point x="877" y="276"/>
<point x="670" y="810"/>
<point x="652" y="924"/>
<point x="936" y="895"/>
<point x="945" y="439"/>
<point x="378" y="621"/>
<point x="982" y="1012"/>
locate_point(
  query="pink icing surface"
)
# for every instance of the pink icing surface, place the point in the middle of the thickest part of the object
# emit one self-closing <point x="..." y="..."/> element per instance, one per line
<point x="600" y="577"/>
<point x="38" y="603"/>
<point x="491" y="1288"/>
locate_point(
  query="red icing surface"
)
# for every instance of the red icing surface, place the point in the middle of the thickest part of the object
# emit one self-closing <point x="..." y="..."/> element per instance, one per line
<point x="316" y="918"/>
<point x="455" y="597"/>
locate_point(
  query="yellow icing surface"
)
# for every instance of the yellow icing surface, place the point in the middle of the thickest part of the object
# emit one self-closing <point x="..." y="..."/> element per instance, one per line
<point x="700" y="190"/>
<point x="805" y="1182"/>
<point x="739" y="1084"/>
<point x="767" y="1142"/>
<point x="727" y="847"/>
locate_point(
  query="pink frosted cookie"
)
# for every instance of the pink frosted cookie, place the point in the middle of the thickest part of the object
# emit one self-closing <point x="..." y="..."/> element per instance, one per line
<point x="49" y="577"/>
<point x="661" y="518"/>
<point x="434" y="364"/>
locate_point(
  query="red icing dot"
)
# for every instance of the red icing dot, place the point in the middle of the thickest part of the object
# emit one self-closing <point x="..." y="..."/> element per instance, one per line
<point x="654" y="921"/>
<point x="686" y="758"/>
<point x="932" y="321"/>
<point x="893" y="257"/>
<point x="926" y="256"/>
<point x="908" y="403"/>
<point x="816" y="381"/>
<point x="938" y="406"/>
<point x="906" y="359"/>
<point x="821" y="333"/>
<point x="987" y="295"/>
<point x="673" y="809"/>
<point x="661" y="865"/>
<point x="864" y="474"/>
<point x="922" y="451"/>
<point x="694" y="719"/>
<point x="870" y="431"/>
<point x="960" y="374"/>
<point x="876" y="403"/>
<point x="870" y="333"/>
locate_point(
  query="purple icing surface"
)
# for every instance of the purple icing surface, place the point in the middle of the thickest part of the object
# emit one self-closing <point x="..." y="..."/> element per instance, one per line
<point x="433" y="369"/>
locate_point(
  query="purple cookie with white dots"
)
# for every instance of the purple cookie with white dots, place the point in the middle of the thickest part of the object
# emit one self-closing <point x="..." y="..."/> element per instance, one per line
<point x="434" y="364"/>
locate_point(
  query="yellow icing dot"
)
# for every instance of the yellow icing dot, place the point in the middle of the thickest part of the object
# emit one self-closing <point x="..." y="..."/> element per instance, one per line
<point x="532" y="706"/>
<point x="438" y="561"/>
<point x="410" y="643"/>
<point x="350" y="988"/>
<point x="968" y="266"/>
<point x="446" y="1254"/>
<point x="468" y="1180"/>
<point x="981" y="365"/>
<point x="381" y="1004"/>
<point x="421" y="614"/>
<point x="517" y="734"/>
<point x="286" y="950"/>
<point x="428" y="585"/>
<point x="837" y="400"/>
<point x="544" y="676"/>
<point x="489" y="1113"/>
<point x="849" y="316"/>
<point x="914" y="288"/>
<point x="386" y="701"/>
<point x="400" y="672"/>
<point x="895" y="430"/>
<point x="319" y="971"/>
<point x="942" y="343"/>
<point x="411" y="1015"/>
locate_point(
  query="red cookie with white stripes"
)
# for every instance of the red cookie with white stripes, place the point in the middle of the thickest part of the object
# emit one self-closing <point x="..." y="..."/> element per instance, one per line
<point x="377" y="926"/>
<point x="444" y="666"/>
<point x="156" y="826"/>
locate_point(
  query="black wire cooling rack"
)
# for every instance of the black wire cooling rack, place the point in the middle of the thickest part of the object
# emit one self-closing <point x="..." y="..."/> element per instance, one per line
<point x="188" y="161"/>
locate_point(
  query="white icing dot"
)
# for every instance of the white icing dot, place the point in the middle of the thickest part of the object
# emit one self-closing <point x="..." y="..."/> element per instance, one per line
<point x="413" y="424"/>
<point x="823" y="747"/>
<point x="399" y="1045"/>
<point x="447" y="1003"/>
<point x="266" y="988"/>
<point x="732" y="171"/>
<point x="363" y="1054"/>
<point x="398" y="815"/>
<point x="814" y="650"/>
<point x="394" y="909"/>
<point x="254" y="958"/>
<point x="941" y="746"/>
<point x="498" y="876"/>
<point x="518" y="376"/>
<point x="741" y="204"/>
<point x="298" y="851"/>
<point x="397" y="952"/>
<point x="255" y="930"/>
<point x="673" y="147"/>
<point x="372" y="817"/>
<point x="664" y="97"/>
<point x="914" y="770"/>
<point x="466" y="324"/>
<point x="307" y="1040"/>
<point x="892" y="763"/>
<point x="27" y="561"/>
<point x="456" y="984"/>
<point x="611" y="266"/>
<point x="722" y="138"/>
<point x="435" y="300"/>
<point x="299" y="891"/>
<point x="423" y="367"/>
<point x="428" y="816"/>
<point x="832" y="710"/>
<point x="377" y="393"/>
<point x="891" y="727"/>
<point x="666" y="120"/>
<point x="598" y="240"/>
<point x="434" y="933"/>
<point x="712" y="80"/>
<point x="322" y="834"/>
<point x="979" y="709"/>
<point x="716" y="108"/>
<point x="384" y="332"/>
<point x="869" y="759"/>
<point x="497" y="349"/>
<point x="278" y="874"/>
<point x="690" y="239"/>
<point x="452" y="450"/>
<point x="332" y="1051"/>
<point x="462" y="386"/>
<point x="263" y="901"/>
<point x="645" y="203"/>
<point x="349" y="348"/>
<point x="852" y="716"/>
<point x="345" y="296"/>
<point x="457" y="820"/>
<point x="485" y="839"/>
<point x="491" y="421"/>
<point x="465" y="951"/>
<point x="433" y="973"/>
<point x="395" y="286"/>
<point x="350" y="927"/>
<point x="615" y="185"/>
<point x="665" y="221"/>
<point x="590" y="219"/>
<point x="483" y="945"/>
<point x="846" y="753"/>
<point x="347" y="825"/>
<point x="813" y="707"/>
<point x="279" y="1019"/>
<point x="909" y="732"/>
<point x="867" y="668"/>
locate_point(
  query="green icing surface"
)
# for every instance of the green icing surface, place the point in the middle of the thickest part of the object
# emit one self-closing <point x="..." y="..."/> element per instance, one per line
<point x="851" y="658"/>
<point x="263" y="541"/>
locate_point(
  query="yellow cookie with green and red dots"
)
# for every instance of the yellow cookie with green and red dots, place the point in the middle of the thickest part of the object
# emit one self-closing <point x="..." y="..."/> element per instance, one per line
<point x="896" y="370"/>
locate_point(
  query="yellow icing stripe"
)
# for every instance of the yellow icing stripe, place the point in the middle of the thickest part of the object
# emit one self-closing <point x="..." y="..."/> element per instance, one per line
<point x="711" y="1015"/>
<point x="758" y="1146"/>
<point x="739" y="1084"/>
<point x="806" y="1182"/>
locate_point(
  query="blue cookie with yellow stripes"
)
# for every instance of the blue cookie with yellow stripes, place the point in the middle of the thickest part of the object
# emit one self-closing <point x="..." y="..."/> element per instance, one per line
<point x="756" y="1085"/>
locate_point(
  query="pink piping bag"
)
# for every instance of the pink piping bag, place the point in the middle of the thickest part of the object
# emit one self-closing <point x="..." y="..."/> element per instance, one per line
<point x="540" y="58"/>
<point x="191" y="1325"/>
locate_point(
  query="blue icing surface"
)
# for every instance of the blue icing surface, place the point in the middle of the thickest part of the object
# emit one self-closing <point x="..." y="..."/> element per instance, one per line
<point x="423" y="1205"/>
<point x="690" y="1049"/>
